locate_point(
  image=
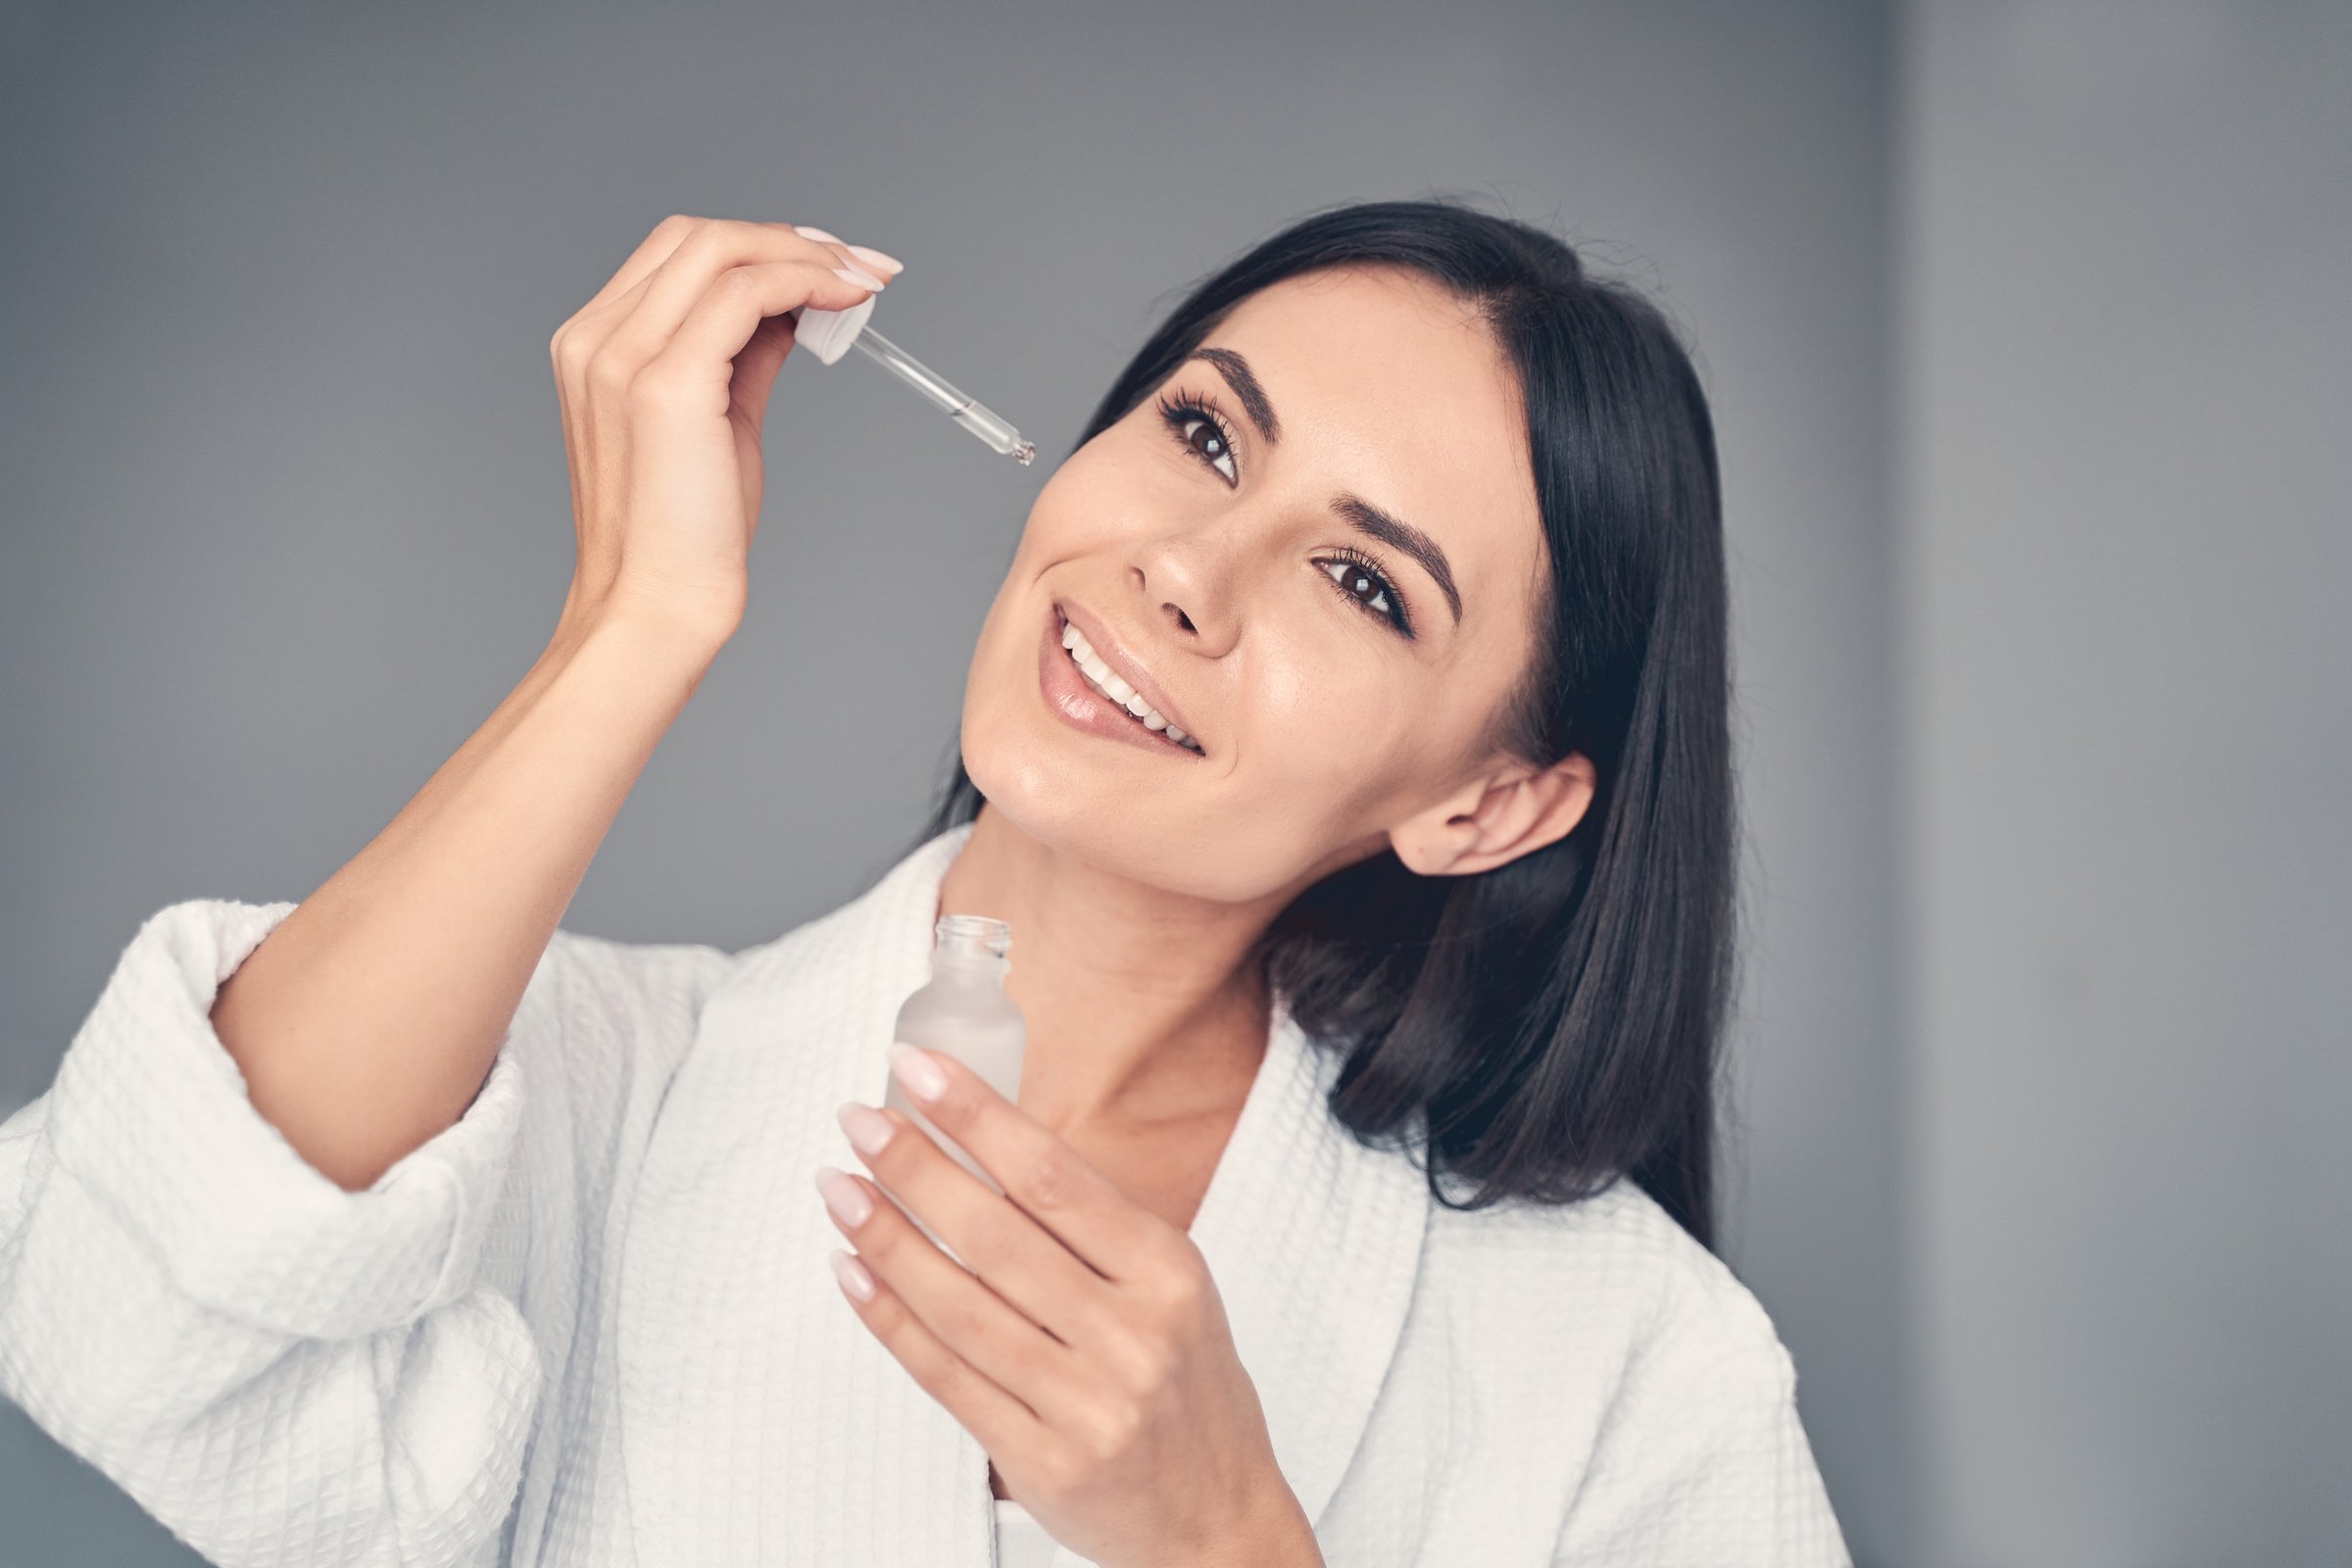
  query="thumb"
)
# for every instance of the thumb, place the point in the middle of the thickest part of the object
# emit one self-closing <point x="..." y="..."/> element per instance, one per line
<point x="755" y="367"/>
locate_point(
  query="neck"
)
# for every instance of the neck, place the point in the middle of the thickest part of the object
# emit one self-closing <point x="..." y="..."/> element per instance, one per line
<point x="1143" y="1005"/>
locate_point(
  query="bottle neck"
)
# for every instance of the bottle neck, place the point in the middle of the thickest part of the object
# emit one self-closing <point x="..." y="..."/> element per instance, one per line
<point x="968" y="968"/>
<point x="972" y="947"/>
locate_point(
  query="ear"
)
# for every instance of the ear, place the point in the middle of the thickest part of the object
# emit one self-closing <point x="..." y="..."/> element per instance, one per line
<point x="1496" y="817"/>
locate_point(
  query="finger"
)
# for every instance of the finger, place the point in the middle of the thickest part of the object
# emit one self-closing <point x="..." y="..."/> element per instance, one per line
<point x="650" y="252"/>
<point x="1018" y="1258"/>
<point x="586" y="330"/>
<point x="881" y="264"/>
<point x="1050" y="1182"/>
<point x="1003" y="1424"/>
<point x="970" y="1319"/>
<point x="627" y="284"/>
<point x="715" y="248"/>
<point x="756" y="370"/>
<point x="696" y="364"/>
<point x="590" y="436"/>
<point x="832" y="243"/>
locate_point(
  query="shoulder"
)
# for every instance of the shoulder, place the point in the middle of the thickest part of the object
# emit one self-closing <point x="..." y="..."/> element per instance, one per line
<point x="1611" y="1285"/>
<point x="1618" y="1347"/>
<point x="1661" y="1380"/>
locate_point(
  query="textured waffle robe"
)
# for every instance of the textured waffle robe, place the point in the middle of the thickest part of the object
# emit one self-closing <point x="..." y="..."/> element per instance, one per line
<point x="592" y="1322"/>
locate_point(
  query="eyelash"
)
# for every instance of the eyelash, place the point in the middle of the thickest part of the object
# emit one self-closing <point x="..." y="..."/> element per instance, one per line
<point x="1182" y="408"/>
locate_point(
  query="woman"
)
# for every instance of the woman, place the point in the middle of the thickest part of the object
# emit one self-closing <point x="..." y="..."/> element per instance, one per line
<point x="1347" y="747"/>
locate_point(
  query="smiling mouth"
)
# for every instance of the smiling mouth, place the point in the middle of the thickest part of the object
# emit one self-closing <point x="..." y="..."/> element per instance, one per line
<point x="1124" y="696"/>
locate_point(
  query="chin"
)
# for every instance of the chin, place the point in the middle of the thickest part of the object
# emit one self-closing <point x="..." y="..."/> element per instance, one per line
<point x="1086" y="817"/>
<point x="1169" y="823"/>
<point x="1077" y="813"/>
<point x="1070" y="810"/>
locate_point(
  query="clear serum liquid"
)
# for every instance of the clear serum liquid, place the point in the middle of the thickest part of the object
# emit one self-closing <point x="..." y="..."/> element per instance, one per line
<point x="963" y="1013"/>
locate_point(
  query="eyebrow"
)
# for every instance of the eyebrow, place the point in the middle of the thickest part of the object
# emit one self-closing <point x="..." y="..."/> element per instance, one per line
<point x="1367" y="518"/>
<point x="1244" y="384"/>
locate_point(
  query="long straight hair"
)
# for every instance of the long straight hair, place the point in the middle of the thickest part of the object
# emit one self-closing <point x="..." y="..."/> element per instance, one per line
<point x="1557" y="1019"/>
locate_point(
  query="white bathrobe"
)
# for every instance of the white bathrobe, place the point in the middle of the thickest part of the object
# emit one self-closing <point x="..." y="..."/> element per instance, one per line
<point x="592" y="1322"/>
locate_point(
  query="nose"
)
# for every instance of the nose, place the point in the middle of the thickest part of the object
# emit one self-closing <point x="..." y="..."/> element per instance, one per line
<point x="1184" y="622"/>
<point x="1186" y="580"/>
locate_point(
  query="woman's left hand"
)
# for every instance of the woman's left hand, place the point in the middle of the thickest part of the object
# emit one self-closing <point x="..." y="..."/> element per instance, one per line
<point x="1085" y="1347"/>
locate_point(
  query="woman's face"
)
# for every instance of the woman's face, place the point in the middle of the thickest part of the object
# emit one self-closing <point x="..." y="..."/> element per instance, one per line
<point x="1315" y="548"/>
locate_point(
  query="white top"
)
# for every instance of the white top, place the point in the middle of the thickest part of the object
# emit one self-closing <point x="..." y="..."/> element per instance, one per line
<point x="1021" y="1542"/>
<point x="592" y="1322"/>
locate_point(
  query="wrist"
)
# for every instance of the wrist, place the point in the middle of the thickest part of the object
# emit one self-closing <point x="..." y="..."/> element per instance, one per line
<point x="1287" y="1540"/>
<point x="661" y="629"/>
<point x="1272" y="1532"/>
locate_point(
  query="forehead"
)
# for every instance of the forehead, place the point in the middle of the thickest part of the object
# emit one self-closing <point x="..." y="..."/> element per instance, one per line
<point x="1387" y="385"/>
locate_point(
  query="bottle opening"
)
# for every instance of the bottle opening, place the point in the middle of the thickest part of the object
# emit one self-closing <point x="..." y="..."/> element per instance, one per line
<point x="973" y="936"/>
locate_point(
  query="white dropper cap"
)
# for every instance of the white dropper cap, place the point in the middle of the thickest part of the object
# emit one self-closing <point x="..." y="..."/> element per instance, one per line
<point x="828" y="334"/>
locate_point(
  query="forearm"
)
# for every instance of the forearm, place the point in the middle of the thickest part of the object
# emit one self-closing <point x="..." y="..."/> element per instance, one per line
<point x="366" y="1022"/>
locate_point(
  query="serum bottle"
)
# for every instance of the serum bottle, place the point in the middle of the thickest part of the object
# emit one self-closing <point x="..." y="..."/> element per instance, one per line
<point x="963" y="1013"/>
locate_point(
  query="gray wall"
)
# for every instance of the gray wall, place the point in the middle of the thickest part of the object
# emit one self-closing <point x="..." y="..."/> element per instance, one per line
<point x="285" y="516"/>
<point x="287" y="510"/>
<point x="2126" y="590"/>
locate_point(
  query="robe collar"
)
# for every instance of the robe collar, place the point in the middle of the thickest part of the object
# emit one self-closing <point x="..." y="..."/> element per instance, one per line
<point x="761" y="1422"/>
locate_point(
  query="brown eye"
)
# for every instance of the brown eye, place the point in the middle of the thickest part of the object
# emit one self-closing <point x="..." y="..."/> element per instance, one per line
<point x="1201" y="433"/>
<point x="1362" y="585"/>
<point x="1202" y="438"/>
<point x="1358" y="585"/>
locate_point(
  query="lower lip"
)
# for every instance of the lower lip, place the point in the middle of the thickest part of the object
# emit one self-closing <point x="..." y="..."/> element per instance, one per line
<point x="1081" y="705"/>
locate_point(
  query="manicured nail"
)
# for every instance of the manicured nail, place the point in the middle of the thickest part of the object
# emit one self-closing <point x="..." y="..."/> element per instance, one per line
<point x="859" y="275"/>
<point x="868" y="1128"/>
<point x="915" y="1069"/>
<point x="813" y="233"/>
<point x="844" y="1196"/>
<point x="852" y="1275"/>
<point x="879" y="261"/>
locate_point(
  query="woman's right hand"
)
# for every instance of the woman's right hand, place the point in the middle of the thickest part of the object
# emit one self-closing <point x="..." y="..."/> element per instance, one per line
<point x="664" y="379"/>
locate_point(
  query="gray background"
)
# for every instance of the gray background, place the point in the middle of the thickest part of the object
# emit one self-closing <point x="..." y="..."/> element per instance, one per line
<point x="2025" y="330"/>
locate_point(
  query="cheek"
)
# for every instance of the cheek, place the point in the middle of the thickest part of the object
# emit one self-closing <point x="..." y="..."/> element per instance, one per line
<point x="1055" y="531"/>
<point x="1088" y="503"/>
<point x="1333" y="741"/>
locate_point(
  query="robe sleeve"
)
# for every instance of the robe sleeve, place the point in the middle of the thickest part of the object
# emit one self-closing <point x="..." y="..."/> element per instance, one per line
<point x="281" y="1371"/>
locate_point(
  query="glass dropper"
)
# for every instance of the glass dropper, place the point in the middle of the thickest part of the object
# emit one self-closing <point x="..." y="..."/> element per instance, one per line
<point x="973" y="414"/>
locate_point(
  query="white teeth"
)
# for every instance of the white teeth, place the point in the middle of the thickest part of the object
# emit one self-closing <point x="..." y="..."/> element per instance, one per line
<point x="1098" y="675"/>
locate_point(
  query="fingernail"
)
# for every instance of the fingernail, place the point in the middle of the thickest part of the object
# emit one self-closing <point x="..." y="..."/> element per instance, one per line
<point x="915" y="1069"/>
<point x="880" y="261"/>
<point x="813" y="233"/>
<point x="868" y="1128"/>
<point x="844" y="1196"/>
<point x="860" y="276"/>
<point x="852" y="1275"/>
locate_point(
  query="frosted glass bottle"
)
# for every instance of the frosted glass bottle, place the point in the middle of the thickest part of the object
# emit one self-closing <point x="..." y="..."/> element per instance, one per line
<point x="963" y="1013"/>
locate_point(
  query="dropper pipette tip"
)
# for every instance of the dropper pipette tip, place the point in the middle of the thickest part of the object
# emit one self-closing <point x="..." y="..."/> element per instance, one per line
<point x="984" y="422"/>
